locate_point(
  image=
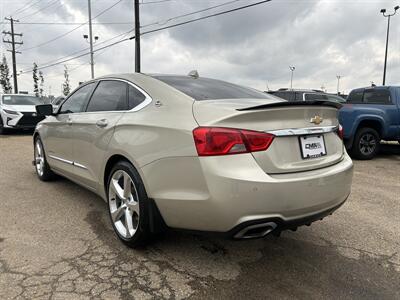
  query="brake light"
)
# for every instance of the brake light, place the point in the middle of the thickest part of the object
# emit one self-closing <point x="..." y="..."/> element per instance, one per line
<point x="340" y="132"/>
<point x="224" y="141"/>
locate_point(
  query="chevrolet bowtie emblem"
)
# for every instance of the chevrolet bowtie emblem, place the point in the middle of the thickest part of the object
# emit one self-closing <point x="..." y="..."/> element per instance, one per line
<point x="316" y="120"/>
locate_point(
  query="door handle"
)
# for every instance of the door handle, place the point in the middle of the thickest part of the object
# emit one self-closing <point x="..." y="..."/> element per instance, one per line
<point x="102" y="123"/>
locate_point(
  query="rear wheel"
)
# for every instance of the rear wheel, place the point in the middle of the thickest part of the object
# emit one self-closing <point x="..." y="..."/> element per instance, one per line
<point x="128" y="205"/>
<point x="42" y="168"/>
<point x="366" y="143"/>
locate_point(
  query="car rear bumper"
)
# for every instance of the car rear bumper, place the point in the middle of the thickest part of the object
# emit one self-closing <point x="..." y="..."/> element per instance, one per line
<point x="223" y="193"/>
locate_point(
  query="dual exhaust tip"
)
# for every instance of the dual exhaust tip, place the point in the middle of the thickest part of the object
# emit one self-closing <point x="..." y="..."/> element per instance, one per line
<point x="256" y="231"/>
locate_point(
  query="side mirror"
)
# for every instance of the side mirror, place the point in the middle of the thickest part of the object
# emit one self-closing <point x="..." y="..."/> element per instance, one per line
<point x="44" y="109"/>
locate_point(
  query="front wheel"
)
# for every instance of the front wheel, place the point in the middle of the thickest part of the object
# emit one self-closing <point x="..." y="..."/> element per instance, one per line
<point x="42" y="168"/>
<point x="128" y="205"/>
<point x="366" y="144"/>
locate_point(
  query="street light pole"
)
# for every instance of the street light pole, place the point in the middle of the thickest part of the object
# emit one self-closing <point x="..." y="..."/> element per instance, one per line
<point x="292" y="68"/>
<point x="338" y="80"/>
<point x="91" y="39"/>
<point x="383" y="11"/>
<point x="137" y="37"/>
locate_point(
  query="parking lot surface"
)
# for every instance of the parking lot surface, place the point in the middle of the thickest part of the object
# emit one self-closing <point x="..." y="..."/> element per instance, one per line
<point x="56" y="242"/>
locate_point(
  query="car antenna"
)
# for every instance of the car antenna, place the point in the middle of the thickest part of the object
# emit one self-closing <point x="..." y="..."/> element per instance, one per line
<point x="194" y="74"/>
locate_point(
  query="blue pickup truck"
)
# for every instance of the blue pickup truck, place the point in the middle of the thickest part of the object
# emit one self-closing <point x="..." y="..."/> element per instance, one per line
<point x="370" y="115"/>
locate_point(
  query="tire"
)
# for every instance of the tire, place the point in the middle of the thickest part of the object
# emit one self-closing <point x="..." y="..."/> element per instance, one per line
<point x="366" y="144"/>
<point x="42" y="168"/>
<point x="2" y="129"/>
<point x="128" y="208"/>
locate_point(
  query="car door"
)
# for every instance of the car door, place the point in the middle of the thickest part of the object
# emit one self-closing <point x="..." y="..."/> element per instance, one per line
<point x="58" y="130"/>
<point x="93" y="129"/>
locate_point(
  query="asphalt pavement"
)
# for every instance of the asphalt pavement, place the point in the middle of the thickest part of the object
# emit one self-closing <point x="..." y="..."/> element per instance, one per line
<point x="56" y="242"/>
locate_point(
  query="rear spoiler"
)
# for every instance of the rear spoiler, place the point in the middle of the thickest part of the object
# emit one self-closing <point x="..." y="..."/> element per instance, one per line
<point x="300" y="103"/>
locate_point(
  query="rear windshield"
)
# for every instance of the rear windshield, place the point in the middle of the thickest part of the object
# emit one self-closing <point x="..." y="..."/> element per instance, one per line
<point x="205" y="88"/>
<point x="21" y="100"/>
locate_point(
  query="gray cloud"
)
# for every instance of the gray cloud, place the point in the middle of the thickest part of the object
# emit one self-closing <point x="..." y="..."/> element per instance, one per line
<point x="253" y="46"/>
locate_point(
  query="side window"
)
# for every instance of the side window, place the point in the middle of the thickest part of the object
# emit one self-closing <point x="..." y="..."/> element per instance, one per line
<point x="355" y="96"/>
<point x="299" y="96"/>
<point x="77" y="101"/>
<point x="315" y="96"/>
<point x="110" y="95"/>
<point x="377" y="96"/>
<point x="135" y="97"/>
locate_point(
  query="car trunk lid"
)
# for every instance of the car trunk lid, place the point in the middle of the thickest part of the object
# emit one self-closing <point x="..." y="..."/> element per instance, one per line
<point x="299" y="128"/>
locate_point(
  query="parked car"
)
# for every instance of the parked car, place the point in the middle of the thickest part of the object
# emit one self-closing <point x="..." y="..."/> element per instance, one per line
<point x="18" y="112"/>
<point x="195" y="153"/>
<point x="371" y="114"/>
<point x="57" y="102"/>
<point x="306" y="95"/>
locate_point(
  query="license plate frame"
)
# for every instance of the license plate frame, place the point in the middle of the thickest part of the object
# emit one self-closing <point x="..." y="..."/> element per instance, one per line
<point x="316" y="148"/>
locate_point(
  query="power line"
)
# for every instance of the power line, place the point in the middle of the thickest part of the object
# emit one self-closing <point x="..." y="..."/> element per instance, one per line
<point x="72" y="30"/>
<point x="25" y="7"/>
<point x="49" y="4"/>
<point x="155" y="30"/>
<point x="68" y="57"/>
<point x="73" y="23"/>
<point x="163" y="22"/>
<point x="206" y="17"/>
<point x="154" y="2"/>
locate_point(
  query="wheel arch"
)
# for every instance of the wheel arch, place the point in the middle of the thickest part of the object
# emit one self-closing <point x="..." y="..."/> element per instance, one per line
<point x="110" y="161"/>
<point x="157" y="223"/>
<point x="373" y="123"/>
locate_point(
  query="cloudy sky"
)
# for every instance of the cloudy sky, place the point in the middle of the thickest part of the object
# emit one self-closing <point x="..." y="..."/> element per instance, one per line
<point x="254" y="46"/>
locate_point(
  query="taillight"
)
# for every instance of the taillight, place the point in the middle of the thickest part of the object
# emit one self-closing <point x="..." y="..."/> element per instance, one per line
<point x="224" y="141"/>
<point x="340" y="132"/>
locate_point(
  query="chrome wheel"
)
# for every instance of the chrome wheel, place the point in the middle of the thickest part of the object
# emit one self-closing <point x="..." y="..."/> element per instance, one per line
<point x="39" y="158"/>
<point x="367" y="144"/>
<point x="123" y="204"/>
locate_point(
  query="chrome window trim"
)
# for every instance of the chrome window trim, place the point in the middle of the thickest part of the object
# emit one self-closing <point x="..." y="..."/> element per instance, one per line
<point x="61" y="159"/>
<point x="142" y="105"/>
<point x="303" y="131"/>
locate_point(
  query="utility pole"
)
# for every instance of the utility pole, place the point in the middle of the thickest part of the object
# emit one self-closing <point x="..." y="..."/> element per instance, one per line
<point x="137" y="37"/>
<point x="292" y="68"/>
<point x="13" y="51"/>
<point x="338" y="80"/>
<point x="383" y="11"/>
<point x="91" y="39"/>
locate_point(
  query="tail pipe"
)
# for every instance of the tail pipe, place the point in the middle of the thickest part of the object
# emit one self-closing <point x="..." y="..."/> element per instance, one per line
<point x="256" y="231"/>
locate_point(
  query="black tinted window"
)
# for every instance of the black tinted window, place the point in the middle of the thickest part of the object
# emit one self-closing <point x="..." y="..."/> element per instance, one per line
<point x="377" y="96"/>
<point x="285" y="95"/>
<point x="205" y="88"/>
<point x="135" y="97"/>
<point x="109" y="96"/>
<point x="309" y="97"/>
<point x="77" y="101"/>
<point x="355" y="96"/>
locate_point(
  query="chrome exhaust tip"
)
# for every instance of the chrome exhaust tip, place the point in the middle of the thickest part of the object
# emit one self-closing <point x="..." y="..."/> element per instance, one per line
<point x="256" y="231"/>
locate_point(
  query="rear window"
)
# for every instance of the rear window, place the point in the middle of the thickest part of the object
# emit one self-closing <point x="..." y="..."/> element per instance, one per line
<point x="315" y="96"/>
<point x="207" y="89"/>
<point x="377" y="96"/>
<point x="355" y="97"/>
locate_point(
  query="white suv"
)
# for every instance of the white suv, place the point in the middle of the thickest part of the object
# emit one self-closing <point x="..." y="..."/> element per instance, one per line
<point x="18" y="111"/>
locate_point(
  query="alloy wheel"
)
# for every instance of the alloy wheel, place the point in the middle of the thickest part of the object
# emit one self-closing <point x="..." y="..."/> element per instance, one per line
<point x="123" y="204"/>
<point x="367" y="144"/>
<point x="39" y="158"/>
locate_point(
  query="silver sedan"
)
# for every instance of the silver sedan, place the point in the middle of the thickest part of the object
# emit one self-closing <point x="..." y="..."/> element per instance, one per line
<point x="195" y="153"/>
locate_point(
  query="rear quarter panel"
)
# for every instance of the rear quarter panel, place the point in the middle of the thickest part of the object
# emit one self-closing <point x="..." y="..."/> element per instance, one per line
<point x="155" y="132"/>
